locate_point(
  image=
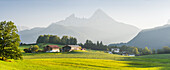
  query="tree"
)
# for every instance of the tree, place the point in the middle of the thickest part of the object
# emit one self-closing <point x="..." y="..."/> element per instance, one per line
<point x="64" y="40"/>
<point x="101" y="44"/>
<point x="146" y="51"/>
<point x="57" y="39"/>
<point x="32" y="49"/>
<point x="9" y="41"/>
<point x="54" y="39"/>
<point x="123" y="48"/>
<point x="74" y="41"/>
<point x="90" y="45"/>
<point x="153" y="51"/>
<point x="35" y="48"/>
<point x="98" y="44"/>
<point x="130" y="49"/>
<point x="135" y="51"/>
<point x="140" y="50"/>
<point x="51" y="39"/>
<point x="46" y="38"/>
<point x="80" y="44"/>
<point x="160" y="51"/>
<point x="40" y="39"/>
<point x="166" y="49"/>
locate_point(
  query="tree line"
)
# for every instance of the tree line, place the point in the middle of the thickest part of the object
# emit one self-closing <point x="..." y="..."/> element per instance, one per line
<point x="164" y="50"/>
<point x="133" y="50"/>
<point x="94" y="46"/>
<point x="65" y="40"/>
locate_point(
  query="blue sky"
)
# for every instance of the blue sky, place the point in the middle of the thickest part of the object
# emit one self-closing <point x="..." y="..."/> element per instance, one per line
<point x="41" y="13"/>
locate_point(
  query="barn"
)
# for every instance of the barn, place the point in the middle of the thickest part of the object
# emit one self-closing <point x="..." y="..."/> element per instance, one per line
<point x="52" y="48"/>
<point x="68" y="48"/>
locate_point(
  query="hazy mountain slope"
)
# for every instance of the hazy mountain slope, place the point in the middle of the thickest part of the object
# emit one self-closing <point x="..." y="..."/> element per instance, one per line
<point x="21" y="28"/>
<point x="30" y="36"/>
<point x="99" y="27"/>
<point x="152" y="38"/>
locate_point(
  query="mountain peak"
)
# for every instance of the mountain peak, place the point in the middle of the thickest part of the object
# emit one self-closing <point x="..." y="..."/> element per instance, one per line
<point x="99" y="11"/>
<point x="72" y="16"/>
<point x="100" y="14"/>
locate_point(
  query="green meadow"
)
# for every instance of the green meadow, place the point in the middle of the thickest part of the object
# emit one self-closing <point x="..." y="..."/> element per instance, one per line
<point x="86" y="60"/>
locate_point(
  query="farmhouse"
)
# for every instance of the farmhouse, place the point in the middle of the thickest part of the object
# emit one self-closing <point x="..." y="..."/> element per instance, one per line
<point x="115" y="50"/>
<point x="110" y="52"/>
<point x="52" y="48"/>
<point x="69" y="48"/>
<point x="124" y="53"/>
<point x="131" y="54"/>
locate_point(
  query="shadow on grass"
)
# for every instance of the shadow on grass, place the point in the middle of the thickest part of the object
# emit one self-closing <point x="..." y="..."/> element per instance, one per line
<point x="141" y="62"/>
<point x="83" y="65"/>
<point x="142" y="65"/>
<point x="165" y="68"/>
<point x="32" y="54"/>
<point x="75" y="52"/>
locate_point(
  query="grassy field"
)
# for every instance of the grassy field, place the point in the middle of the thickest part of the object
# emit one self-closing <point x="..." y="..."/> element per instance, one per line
<point x="86" y="60"/>
<point x="157" y="60"/>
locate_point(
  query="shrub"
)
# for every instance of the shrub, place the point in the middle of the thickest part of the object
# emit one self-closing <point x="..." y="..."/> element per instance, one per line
<point x="32" y="48"/>
<point x="27" y="50"/>
<point x="35" y="48"/>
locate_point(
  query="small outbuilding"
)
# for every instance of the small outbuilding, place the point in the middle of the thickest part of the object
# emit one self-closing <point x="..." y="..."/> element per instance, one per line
<point x="124" y="53"/>
<point x="131" y="54"/>
<point x="68" y="48"/>
<point x="115" y="50"/>
<point x="110" y="52"/>
<point x="52" y="48"/>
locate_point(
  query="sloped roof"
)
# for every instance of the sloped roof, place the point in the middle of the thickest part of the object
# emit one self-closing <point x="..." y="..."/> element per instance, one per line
<point x="74" y="45"/>
<point x="54" y="46"/>
<point x="115" y="48"/>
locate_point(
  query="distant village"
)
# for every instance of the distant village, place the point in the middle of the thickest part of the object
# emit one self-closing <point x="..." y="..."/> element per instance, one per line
<point x="69" y="48"/>
<point x="56" y="48"/>
<point x="117" y="51"/>
<point x="69" y="44"/>
<point x="66" y="48"/>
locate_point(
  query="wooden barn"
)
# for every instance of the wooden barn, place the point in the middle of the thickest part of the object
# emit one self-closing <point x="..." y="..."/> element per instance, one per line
<point x="68" y="48"/>
<point x="52" y="48"/>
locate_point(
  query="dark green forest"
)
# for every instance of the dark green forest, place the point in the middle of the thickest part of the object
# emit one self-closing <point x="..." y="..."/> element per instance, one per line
<point x="94" y="46"/>
<point x="65" y="40"/>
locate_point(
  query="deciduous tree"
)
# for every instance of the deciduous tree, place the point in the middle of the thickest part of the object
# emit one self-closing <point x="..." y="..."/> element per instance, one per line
<point x="35" y="48"/>
<point x="135" y="51"/>
<point x="146" y="51"/>
<point x="153" y="51"/>
<point x="9" y="41"/>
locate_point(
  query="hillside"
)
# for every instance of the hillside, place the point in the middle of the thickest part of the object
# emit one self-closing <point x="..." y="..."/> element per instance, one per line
<point x="30" y="36"/>
<point x="153" y="38"/>
<point x="21" y="28"/>
<point x="99" y="27"/>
